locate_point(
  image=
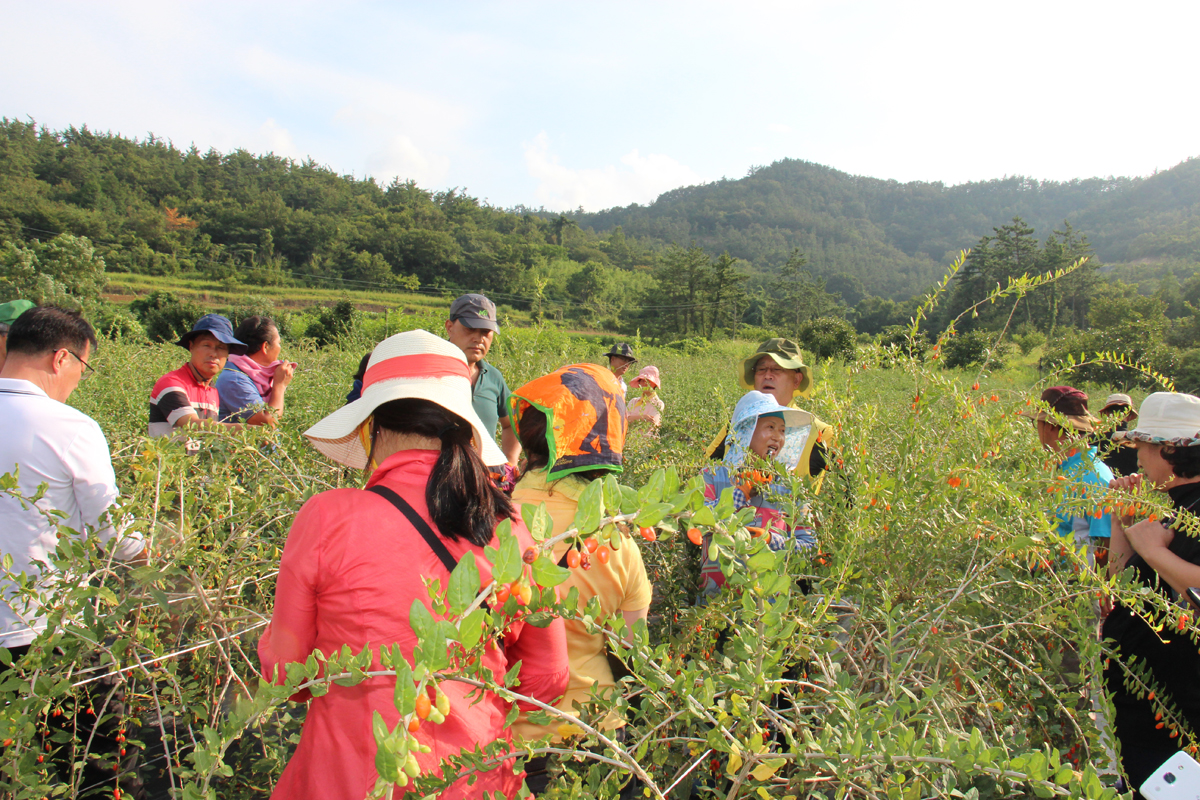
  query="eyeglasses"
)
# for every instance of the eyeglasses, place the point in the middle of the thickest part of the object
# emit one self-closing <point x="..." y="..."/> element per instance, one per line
<point x="88" y="369"/>
<point x="762" y="369"/>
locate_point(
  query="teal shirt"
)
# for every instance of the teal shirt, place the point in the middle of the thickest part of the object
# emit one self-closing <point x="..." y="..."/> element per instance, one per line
<point x="490" y="396"/>
<point x="1085" y="468"/>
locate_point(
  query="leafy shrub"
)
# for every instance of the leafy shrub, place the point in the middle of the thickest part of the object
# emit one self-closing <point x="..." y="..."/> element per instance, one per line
<point x="897" y="336"/>
<point x="691" y="346"/>
<point x="972" y="349"/>
<point x="65" y="271"/>
<point x="334" y="323"/>
<point x="114" y="322"/>
<point x="829" y="337"/>
<point x="1028" y="338"/>
<point x="165" y="315"/>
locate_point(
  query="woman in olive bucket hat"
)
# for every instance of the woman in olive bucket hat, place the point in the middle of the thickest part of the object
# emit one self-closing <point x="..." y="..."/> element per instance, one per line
<point x="1164" y="558"/>
<point x="777" y="368"/>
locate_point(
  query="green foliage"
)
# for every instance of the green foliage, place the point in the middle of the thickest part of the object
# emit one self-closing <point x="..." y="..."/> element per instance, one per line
<point x="65" y="271"/>
<point x="164" y="316"/>
<point x="829" y="337"/>
<point x="335" y="323"/>
<point x="973" y="349"/>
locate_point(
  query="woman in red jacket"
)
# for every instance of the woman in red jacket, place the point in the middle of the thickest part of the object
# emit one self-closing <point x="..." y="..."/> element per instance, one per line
<point x="354" y="563"/>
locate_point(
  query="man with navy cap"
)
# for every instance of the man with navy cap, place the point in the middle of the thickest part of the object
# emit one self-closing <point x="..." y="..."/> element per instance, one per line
<point x="188" y="396"/>
<point x="471" y="328"/>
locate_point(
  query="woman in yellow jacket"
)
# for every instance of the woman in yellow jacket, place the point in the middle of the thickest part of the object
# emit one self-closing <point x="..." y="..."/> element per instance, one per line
<point x="571" y="424"/>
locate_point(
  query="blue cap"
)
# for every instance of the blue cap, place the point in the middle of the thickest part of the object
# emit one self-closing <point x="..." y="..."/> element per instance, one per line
<point x="219" y="327"/>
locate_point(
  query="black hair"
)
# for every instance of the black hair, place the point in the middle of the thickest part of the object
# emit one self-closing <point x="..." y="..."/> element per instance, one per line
<point x="1184" y="461"/>
<point x="254" y="332"/>
<point x="362" y="367"/>
<point x="531" y="431"/>
<point x="462" y="499"/>
<point x="47" y="329"/>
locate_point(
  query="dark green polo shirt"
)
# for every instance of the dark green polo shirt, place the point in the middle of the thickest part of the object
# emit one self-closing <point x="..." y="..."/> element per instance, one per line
<point x="490" y="396"/>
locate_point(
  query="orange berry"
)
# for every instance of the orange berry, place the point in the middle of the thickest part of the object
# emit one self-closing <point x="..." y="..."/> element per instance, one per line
<point x="648" y="534"/>
<point x="602" y="554"/>
<point x="502" y="594"/>
<point x="975" y="387"/>
<point x="424" y="706"/>
<point x="523" y="593"/>
<point x="695" y="536"/>
<point x="573" y="557"/>
<point x="954" y="482"/>
<point x="413" y="725"/>
<point x="591" y="544"/>
<point x="529" y="556"/>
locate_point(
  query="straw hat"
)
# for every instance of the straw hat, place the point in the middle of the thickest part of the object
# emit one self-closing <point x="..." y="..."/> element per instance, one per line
<point x="413" y="364"/>
<point x="1167" y="418"/>
<point x="647" y="374"/>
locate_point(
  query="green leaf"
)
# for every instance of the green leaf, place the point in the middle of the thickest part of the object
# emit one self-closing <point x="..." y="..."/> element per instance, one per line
<point x="470" y="630"/>
<point x="507" y="567"/>
<point x="421" y="620"/>
<point x="405" y="696"/>
<point x="510" y="677"/>
<point x="652" y="492"/>
<point x="652" y="514"/>
<point x="724" y="507"/>
<point x="762" y="561"/>
<point x="704" y="516"/>
<point x="547" y="573"/>
<point x="612" y="494"/>
<point x="590" y="508"/>
<point x="670" y="481"/>
<point x="464" y="583"/>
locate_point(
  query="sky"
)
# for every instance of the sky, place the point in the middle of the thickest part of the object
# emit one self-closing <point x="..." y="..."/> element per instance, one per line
<point x="595" y="105"/>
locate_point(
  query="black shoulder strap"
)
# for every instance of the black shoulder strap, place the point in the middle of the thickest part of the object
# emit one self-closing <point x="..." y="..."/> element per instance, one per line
<point x="431" y="538"/>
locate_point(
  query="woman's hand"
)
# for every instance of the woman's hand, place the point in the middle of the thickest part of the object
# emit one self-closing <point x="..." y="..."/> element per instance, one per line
<point x="1129" y="484"/>
<point x="283" y="374"/>
<point x="1147" y="536"/>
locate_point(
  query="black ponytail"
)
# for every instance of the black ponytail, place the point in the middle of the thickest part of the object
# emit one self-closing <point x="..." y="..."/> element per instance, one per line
<point x="462" y="499"/>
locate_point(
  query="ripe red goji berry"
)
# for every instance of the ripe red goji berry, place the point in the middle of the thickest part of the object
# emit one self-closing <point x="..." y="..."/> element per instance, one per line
<point x="573" y="558"/>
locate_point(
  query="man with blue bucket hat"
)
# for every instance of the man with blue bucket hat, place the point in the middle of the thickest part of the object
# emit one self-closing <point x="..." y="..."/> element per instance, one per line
<point x="188" y="396"/>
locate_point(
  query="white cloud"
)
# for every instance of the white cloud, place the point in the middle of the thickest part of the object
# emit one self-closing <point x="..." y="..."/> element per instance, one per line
<point x="779" y="127"/>
<point x="641" y="180"/>
<point x="275" y="138"/>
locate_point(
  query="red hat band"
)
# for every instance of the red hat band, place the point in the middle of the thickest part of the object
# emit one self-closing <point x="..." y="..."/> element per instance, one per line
<point x="423" y="365"/>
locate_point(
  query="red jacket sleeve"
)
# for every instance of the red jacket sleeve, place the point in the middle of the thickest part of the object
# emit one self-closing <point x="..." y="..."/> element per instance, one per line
<point x="545" y="669"/>
<point x="293" y="629"/>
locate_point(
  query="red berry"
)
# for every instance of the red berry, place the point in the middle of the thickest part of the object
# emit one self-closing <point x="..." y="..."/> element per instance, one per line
<point x="695" y="536"/>
<point x="529" y="556"/>
<point x="602" y="554"/>
<point x="502" y="593"/>
<point x="573" y="558"/>
<point x="591" y="544"/>
<point x="648" y="534"/>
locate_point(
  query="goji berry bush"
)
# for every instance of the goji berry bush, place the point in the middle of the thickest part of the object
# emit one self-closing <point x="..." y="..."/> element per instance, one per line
<point x="939" y="641"/>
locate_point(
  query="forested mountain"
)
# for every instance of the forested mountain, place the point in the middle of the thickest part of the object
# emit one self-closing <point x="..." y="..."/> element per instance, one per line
<point x="898" y="237"/>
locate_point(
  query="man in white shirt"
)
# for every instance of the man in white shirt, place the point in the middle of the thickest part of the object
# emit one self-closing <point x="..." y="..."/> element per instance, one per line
<point x="47" y="441"/>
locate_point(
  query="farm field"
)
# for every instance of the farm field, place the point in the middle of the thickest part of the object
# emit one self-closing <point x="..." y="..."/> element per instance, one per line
<point x="945" y="645"/>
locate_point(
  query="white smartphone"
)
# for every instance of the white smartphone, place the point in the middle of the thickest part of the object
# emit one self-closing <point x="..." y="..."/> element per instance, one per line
<point x="1177" y="779"/>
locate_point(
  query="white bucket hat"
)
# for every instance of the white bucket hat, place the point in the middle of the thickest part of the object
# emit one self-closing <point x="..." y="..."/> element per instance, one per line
<point x="413" y="364"/>
<point x="1167" y="418"/>
<point x="745" y="417"/>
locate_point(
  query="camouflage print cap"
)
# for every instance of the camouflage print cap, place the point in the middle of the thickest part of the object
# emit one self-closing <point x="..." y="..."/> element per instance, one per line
<point x="621" y="349"/>
<point x="475" y="311"/>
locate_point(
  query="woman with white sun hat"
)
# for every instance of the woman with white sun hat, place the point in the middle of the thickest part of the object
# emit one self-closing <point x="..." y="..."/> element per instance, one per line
<point x="355" y="561"/>
<point x="1164" y="557"/>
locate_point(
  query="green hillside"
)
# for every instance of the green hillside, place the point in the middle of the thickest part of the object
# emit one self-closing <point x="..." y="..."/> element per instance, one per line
<point x="898" y="237"/>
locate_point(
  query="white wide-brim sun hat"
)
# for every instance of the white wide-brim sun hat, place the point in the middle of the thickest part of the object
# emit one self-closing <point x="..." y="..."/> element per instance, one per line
<point x="413" y="364"/>
<point x="1167" y="418"/>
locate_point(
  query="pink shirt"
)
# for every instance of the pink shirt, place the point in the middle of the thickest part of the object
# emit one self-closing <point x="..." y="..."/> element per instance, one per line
<point x="349" y="573"/>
